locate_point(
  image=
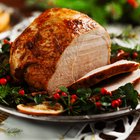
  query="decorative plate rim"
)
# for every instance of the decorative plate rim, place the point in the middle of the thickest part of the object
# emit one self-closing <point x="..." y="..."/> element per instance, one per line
<point x="62" y="118"/>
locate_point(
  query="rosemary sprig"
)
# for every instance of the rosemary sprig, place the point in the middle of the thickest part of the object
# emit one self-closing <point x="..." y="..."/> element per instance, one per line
<point x="11" y="131"/>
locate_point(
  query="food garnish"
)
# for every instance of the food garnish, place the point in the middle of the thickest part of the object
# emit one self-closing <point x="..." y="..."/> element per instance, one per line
<point x="44" y="108"/>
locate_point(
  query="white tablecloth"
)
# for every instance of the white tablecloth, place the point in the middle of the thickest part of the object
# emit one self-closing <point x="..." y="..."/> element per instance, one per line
<point x="41" y="130"/>
<point x="35" y="130"/>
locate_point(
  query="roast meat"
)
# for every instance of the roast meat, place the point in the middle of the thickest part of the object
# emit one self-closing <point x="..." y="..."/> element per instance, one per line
<point x="58" y="48"/>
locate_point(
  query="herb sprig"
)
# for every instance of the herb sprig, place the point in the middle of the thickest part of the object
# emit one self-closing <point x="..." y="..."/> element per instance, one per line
<point x="11" y="131"/>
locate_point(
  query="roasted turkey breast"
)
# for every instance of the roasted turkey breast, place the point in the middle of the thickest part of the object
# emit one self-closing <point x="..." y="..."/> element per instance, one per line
<point x="58" y="48"/>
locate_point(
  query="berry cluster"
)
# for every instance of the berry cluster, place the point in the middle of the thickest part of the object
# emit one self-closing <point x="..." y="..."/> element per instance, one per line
<point x="5" y="74"/>
<point x="121" y="54"/>
<point x="61" y="94"/>
<point x="4" y="81"/>
<point x="106" y="97"/>
<point x="98" y="99"/>
<point x="116" y="103"/>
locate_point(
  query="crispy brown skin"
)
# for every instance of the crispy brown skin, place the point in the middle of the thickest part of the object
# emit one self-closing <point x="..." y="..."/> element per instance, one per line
<point x="97" y="77"/>
<point x="35" y="53"/>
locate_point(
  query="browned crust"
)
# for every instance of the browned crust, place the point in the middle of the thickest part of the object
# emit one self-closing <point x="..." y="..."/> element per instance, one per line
<point x="95" y="78"/>
<point x="43" y="42"/>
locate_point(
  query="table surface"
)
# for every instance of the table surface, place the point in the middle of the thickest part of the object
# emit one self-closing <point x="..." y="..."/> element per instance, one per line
<point x="20" y="4"/>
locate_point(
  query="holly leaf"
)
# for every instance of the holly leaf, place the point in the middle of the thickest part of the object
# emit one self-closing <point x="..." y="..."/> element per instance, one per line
<point x="38" y="99"/>
<point x="96" y="90"/>
<point x="64" y="89"/>
<point x="84" y="92"/>
<point x="4" y="91"/>
<point x="6" y="48"/>
<point x="131" y="94"/>
<point x="15" y="90"/>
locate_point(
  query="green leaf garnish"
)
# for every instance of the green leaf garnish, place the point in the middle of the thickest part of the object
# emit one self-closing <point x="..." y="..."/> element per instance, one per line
<point x="84" y="92"/>
<point x="64" y="89"/>
<point x="130" y="93"/>
<point x="5" y="48"/>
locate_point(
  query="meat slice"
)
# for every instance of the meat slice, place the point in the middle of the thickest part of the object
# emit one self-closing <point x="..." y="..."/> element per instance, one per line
<point x="104" y="72"/>
<point x="58" y="48"/>
<point x="114" y="83"/>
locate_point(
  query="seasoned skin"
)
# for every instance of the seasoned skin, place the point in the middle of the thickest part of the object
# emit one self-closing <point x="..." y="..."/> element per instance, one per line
<point x="50" y="51"/>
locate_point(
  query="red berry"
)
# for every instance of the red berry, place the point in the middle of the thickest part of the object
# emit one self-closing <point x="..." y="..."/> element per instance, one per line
<point x="21" y="92"/>
<point x="115" y="103"/>
<point x="98" y="104"/>
<point x="120" y="101"/>
<point x="74" y="96"/>
<point x="3" y="81"/>
<point x="58" y="90"/>
<point x="134" y="55"/>
<point x="5" y="41"/>
<point x="97" y="98"/>
<point x="64" y="94"/>
<point x="73" y="100"/>
<point x="104" y="91"/>
<point x="109" y="93"/>
<point x="56" y="96"/>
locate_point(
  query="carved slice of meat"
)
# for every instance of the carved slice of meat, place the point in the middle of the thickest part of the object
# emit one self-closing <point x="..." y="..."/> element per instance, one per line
<point x="114" y="83"/>
<point x="97" y="75"/>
